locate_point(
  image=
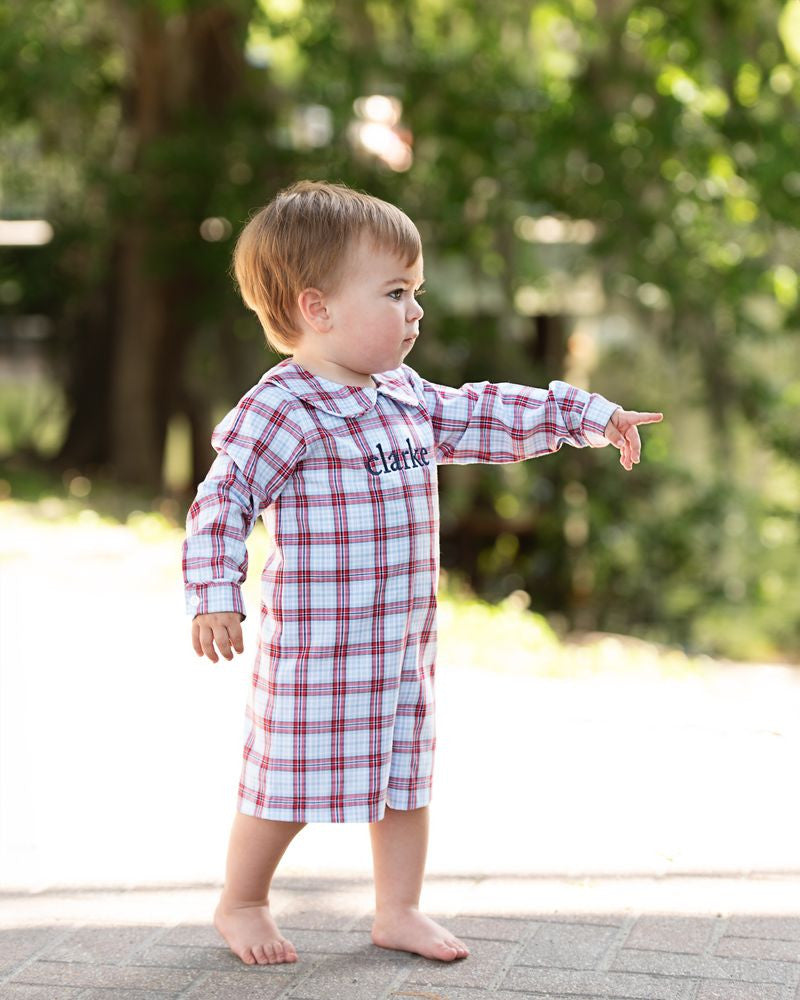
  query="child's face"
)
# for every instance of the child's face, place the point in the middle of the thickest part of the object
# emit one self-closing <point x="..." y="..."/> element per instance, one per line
<point x="374" y="313"/>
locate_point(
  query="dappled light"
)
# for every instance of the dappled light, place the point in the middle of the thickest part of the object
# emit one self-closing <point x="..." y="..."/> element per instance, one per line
<point x="376" y="131"/>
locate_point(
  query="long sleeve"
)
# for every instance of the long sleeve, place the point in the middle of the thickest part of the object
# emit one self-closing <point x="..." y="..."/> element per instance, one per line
<point x="259" y="443"/>
<point x="504" y="422"/>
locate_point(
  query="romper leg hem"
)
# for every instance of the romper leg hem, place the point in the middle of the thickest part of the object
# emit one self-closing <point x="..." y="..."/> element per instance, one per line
<point x="347" y="813"/>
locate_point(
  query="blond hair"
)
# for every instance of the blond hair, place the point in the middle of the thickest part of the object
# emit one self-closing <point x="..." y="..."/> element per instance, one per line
<point x="300" y="240"/>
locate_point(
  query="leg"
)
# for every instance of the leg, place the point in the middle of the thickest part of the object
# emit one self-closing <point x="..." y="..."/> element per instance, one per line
<point x="242" y="916"/>
<point x="399" y="847"/>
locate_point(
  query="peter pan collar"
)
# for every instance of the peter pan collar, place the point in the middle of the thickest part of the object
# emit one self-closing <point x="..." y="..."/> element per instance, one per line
<point x="335" y="398"/>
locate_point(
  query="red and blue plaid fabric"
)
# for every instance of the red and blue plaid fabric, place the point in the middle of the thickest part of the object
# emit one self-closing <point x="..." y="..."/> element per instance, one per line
<point x="340" y="718"/>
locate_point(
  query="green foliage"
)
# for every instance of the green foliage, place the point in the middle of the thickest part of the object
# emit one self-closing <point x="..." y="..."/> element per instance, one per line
<point x="670" y="132"/>
<point x="32" y="416"/>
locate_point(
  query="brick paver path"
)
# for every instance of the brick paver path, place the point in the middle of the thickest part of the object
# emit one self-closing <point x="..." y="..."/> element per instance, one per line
<point x="736" y="939"/>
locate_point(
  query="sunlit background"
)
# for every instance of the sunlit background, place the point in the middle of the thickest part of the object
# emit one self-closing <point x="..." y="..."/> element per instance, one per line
<point x="608" y="193"/>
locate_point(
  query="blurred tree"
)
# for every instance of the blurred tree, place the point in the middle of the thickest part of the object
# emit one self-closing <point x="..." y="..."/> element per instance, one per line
<point x="607" y="190"/>
<point x="151" y="145"/>
<point x="185" y="75"/>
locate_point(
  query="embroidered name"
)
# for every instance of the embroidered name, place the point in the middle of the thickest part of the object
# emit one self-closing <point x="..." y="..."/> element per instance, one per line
<point x="396" y="460"/>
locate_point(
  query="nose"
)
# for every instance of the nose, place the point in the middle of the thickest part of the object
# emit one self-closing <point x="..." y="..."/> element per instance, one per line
<point x="415" y="312"/>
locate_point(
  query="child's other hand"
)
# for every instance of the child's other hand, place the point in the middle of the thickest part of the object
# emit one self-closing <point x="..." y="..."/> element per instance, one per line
<point x="223" y="628"/>
<point x="621" y="431"/>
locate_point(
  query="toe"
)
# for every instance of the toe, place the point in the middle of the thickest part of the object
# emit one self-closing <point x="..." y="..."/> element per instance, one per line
<point x="446" y="951"/>
<point x="289" y="954"/>
<point x="247" y="957"/>
<point x="277" y="950"/>
<point x="260" y="955"/>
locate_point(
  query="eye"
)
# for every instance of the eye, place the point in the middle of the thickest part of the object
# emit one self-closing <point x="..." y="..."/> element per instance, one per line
<point x="397" y="293"/>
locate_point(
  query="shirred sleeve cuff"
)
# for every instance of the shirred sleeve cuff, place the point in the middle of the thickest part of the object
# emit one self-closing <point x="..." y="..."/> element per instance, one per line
<point x="211" y="598"/>
<point x="598" y="412"/>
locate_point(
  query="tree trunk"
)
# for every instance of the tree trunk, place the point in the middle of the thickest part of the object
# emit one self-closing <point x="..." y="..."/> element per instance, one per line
<point x="185" y="71"/>
<point x="88" y="360"/>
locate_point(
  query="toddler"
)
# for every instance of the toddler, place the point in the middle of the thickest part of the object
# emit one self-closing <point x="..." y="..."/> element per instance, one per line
<point x="337" y="447"/>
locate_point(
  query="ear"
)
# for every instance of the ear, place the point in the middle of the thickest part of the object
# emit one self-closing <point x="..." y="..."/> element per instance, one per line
<point x="314" y="309"/>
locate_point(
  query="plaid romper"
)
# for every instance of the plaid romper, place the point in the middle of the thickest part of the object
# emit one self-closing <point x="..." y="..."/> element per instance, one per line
<point x="340" y="719"/>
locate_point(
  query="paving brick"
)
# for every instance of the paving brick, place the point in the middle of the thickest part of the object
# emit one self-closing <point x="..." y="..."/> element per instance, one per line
<point x="704" y="967"/>
<point x="261" y="981"/>
<point x="341" y="978"/>
<point x="85" y="974"/>
<point x="596" y="985"/>
<point x="485" y="965"/>
<point x="491" y="928"/>
<point x="459" y="993"/>
<point x="102" y="945"/>
<point x="603" y="919"/>
<point x="175" y="956"/>
<point x="567" y="946"/>
<point x="743" y="947"/>
<point x="324" y="911"/>
<point x="313" y="919"/>
<point x="781" y="928"/>
<point x="25" y="991"/>
<point x="376" y="954"/>
<point x="118" y="994"/>
<point x="714" y="989"/>
<point x="462" y="972"/>
<point x="690" y="935"/>
<point x="17" y="945"/>
<point x="330" y="942"/>
<point x="193" y="935"/>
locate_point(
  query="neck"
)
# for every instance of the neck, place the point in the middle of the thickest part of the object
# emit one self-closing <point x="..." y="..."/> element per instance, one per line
<point x="332" y="371"/>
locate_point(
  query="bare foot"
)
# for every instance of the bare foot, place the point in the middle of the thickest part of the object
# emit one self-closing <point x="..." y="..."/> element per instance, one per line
<point x="253" y="935"/>
<point x="410" y="930"/>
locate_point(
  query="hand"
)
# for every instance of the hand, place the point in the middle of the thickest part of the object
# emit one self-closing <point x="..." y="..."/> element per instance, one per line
<point x="621" y="431"/>
<point x="223" y="628"/>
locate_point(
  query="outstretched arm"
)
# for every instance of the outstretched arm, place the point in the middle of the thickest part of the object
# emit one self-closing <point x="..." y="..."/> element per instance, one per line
<point x="506" y="422"/>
